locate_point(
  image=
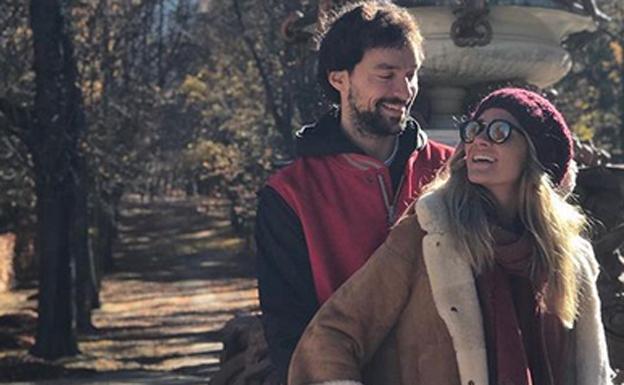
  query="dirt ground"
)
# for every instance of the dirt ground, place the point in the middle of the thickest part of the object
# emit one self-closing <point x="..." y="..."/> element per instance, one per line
<point x="180" y="274"/>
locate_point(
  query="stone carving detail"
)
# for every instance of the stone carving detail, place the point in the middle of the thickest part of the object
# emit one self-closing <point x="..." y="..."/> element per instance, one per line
<point x="600" y="191"/>
<point x="245" y="356"/>
<point x="589" y="6"/>
<point x="471" y="29"/>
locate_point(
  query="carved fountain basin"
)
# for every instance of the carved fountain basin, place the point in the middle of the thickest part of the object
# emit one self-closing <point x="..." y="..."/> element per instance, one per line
<point x="525" y="45"/>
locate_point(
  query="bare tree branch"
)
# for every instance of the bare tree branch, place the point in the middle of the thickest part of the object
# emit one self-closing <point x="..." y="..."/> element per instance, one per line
<point x="22" y="158"/>
<point x="270" y="92"/>
<point x="19" y="120"/>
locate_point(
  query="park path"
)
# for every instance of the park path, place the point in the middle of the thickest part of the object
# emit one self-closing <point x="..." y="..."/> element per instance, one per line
<point x="180" y="274"/>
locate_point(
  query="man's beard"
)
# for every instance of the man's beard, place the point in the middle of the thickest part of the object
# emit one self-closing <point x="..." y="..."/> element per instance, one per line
<point x="374" y="122"/>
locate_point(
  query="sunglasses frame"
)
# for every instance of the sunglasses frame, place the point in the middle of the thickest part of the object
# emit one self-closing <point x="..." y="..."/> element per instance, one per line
<point x="488" y="130"/>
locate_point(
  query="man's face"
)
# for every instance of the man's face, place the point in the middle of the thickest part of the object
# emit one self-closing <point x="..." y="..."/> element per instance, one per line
<point x="380" y="91"/>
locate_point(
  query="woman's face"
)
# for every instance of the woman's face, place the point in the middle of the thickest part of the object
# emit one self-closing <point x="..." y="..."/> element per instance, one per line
<point x="497" y="167"/>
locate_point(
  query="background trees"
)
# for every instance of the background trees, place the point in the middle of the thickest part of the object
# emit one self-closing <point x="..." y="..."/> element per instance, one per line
<point x="591" y="94"/>
<point x="16" y="92"/>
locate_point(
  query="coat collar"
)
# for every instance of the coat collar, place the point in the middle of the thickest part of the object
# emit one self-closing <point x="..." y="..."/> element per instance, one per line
<point x="454" y="291"/>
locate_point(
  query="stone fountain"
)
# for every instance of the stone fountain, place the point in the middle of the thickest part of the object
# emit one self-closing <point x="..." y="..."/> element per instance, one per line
<point x="481" y="42"/>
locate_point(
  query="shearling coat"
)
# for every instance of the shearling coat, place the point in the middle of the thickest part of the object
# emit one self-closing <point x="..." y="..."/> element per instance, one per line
<point x="411" y="315"/>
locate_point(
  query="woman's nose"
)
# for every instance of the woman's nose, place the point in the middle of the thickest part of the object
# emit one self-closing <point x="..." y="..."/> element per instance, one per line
<point x="482" y="139"/>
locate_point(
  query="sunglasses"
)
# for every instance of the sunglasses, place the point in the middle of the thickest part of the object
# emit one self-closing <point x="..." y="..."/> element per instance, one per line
<point x="497" y="131"/>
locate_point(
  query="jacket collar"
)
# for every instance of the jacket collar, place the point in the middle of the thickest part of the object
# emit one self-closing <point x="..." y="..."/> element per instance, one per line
<point x="326" y="137"/>
<point x="453" y="288"/>
<point x="432" y="213"/>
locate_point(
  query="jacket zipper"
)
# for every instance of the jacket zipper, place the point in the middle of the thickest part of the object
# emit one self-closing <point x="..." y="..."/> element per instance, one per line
<point x="390" y="207"/>
<point x="397" y="194"/>
<point x="386" y="200"/>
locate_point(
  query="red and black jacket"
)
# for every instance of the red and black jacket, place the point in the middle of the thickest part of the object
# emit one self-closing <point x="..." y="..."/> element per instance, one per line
<point x="321" y="217"/>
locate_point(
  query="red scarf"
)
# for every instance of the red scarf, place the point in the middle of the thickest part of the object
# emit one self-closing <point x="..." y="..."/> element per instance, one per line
<point x="523" y="342"/>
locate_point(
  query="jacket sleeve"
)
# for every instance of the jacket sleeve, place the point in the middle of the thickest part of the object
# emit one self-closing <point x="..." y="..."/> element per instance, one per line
<point x="287" y="295"/>
<point x="592" y="358"/>
<point x="349" y="328"/>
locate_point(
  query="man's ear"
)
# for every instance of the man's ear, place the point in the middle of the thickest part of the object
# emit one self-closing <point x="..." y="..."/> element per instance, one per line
<point x="339" y="80"/>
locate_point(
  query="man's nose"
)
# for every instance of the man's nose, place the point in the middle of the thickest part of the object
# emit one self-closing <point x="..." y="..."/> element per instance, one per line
<point x="404" y="89"/>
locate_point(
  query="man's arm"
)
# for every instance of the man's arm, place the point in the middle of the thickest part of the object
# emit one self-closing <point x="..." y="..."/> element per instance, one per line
<point x="287" y="295"/>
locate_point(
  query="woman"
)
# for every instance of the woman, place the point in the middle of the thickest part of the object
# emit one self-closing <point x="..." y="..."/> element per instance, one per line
<point x="486" y="280"/>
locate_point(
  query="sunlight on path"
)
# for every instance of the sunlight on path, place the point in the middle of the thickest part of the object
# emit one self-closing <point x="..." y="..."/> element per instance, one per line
<point x="181" y="276"/>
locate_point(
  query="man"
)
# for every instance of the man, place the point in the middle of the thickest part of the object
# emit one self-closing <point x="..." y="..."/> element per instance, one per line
<point x="357" y="169"/>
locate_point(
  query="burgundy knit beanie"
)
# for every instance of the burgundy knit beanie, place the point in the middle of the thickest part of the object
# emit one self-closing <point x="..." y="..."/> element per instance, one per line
<point x="542" y="122"/>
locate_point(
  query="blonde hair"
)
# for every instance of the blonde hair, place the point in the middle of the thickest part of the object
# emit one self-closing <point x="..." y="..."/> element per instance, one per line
<point x="553" y="225"/>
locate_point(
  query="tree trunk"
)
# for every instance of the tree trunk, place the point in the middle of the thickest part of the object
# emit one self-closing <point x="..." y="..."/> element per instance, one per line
<point x="105" y="231"/>
<point x="56" y="311"/>
<point x="86" y="280"/>
<point x="58" y="123"/>
<point x="621" y="108"/>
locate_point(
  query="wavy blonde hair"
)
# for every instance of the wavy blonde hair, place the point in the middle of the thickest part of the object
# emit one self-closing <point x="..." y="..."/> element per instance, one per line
<point x="553" y="225"/>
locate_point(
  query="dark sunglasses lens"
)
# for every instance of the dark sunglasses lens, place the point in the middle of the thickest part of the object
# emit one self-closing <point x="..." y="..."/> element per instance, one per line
<point x="470" y="130"/>
<point x="499" y="131"/>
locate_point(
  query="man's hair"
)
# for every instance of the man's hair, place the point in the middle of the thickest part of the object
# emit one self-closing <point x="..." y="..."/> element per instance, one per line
<point x="347" y="33"/>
